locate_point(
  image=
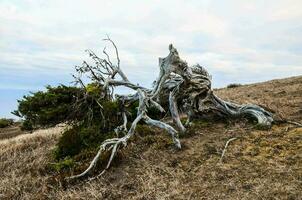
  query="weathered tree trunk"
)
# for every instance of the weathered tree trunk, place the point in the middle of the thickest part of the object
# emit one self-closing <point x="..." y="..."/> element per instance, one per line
<point x="190" y="86"/>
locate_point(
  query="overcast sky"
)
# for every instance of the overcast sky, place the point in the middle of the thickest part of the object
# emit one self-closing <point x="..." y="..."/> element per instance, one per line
<point x="237" y="41"/>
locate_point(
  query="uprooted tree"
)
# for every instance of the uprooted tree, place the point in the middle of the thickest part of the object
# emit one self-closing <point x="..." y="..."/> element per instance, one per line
<point x="179" y="88"/>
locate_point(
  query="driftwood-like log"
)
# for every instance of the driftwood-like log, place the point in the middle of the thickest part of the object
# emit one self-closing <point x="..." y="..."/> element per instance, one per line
<point x="193" y="85"/>
<point x="177" y="82"/>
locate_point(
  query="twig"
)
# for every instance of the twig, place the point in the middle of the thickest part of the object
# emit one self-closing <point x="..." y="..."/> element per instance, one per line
<point x="295" y="123"/>
<point x="225" y="148"/>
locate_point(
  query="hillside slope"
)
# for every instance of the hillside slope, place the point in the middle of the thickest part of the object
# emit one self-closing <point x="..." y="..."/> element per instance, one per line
<point x="11" y="131"/>
<point x="258" y="164"/>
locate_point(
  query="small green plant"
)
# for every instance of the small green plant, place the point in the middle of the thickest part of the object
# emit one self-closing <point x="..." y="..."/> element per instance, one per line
<point x="64" y="164"/>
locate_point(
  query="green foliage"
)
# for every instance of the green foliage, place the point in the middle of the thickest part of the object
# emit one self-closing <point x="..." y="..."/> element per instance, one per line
<point x="47" y="108"/>
<point x="153" y="112"/>
<point x="79" y="138"/>
<point x="69" y="143"/>
<point x="91" y="134"/>
<point x="132" y="110"/>
<point x="112" y="116"/>
<point x="26" y="126"/>
<point x="5" y="122"/>
<point x="93" y="89"/>
<point x="91" y="123"/>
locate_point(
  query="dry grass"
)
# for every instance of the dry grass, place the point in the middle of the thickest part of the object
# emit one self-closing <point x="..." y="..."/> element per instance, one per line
<point x="23" y="158"/>
<point x="11" y="131"/>
<point x="282" y="95"/>
<point x="260" y="164"/>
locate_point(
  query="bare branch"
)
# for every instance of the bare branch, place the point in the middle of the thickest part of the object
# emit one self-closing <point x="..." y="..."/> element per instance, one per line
<point x="225" y="148"/>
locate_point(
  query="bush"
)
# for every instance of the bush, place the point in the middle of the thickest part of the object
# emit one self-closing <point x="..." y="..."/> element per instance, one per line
<point x="90" y="124"/>
<point x="47" y="108"/>
<point x="69" y="144"/>
<point x="233" y="85"/>
<point x="79" y="138"/>
<point x="5" y="122"/>
<point x="89" y="133"/>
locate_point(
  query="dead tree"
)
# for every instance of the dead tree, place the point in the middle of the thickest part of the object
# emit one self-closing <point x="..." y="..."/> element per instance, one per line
<point x="177" y="82"/>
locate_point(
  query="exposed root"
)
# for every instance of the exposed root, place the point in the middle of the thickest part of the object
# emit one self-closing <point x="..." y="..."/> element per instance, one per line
<point x="174" y="113"/>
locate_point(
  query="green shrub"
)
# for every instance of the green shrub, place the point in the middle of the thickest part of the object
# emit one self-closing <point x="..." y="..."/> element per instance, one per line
<point x="69" y="143"/>
<point x="90" y="123"/>
<point x="233" y="85"/>
<point x="5" y="122"/>
<point x="112" y="116"/>
<point x="79" y="138"/>
<point x="90" y="135"/>
<point x="47" y="108"/>
<point x="26" y="126"/>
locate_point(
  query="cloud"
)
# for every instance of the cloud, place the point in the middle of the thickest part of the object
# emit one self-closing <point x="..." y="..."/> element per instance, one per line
<point x="237" y="41"/>
<point x="49" y="37"/>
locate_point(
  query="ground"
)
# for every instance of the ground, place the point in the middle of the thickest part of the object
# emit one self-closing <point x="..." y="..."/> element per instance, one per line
<point x="258" y="164"/>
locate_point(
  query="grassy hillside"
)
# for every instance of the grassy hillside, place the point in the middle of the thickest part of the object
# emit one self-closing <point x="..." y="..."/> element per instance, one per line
<point x="259" y="164"/>
<point x="11" y="131"/>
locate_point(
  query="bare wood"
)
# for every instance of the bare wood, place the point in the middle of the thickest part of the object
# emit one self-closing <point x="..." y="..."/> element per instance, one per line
<point x="294" y="123"/>
<point x="174" y="112"/>
<point x="225" y="148"/>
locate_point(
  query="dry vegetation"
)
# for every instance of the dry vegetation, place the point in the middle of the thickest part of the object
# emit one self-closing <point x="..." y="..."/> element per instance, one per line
<point x="259" y="164"/>
<point x="11" y="131"/>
